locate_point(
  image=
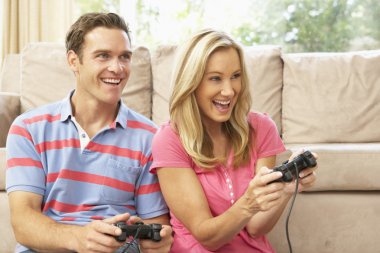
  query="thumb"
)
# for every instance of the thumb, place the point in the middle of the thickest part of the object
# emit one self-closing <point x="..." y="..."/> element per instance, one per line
<point x="264" y="170"/>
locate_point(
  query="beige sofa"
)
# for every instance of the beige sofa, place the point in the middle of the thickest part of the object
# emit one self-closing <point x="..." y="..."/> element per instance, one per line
<point x="326" y="102"/>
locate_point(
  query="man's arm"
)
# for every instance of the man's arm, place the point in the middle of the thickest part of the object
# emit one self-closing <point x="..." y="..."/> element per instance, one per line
<point x="35" y="230"/>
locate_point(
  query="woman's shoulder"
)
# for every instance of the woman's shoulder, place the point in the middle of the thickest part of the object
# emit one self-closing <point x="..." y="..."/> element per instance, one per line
<point x="166" y="129"/>
<point x="165" y="134"/>
<point x="258" y="119"/>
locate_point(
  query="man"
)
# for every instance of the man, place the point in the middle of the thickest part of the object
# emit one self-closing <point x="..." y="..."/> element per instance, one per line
<point x="78" y="166"/>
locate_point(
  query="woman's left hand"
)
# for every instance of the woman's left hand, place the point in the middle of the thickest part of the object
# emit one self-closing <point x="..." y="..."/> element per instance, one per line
<point x="307" y="177"/>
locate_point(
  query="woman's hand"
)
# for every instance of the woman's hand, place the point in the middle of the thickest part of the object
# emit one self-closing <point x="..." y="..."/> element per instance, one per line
<point x="261" y="195"/>
<point x="307" y="177"/>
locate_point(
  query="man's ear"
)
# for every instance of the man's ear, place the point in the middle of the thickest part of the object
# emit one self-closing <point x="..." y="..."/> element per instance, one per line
<point x="73" y="60"/>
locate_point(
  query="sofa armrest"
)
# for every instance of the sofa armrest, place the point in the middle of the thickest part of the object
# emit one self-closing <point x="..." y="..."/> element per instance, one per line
<point x="9" y="110"/>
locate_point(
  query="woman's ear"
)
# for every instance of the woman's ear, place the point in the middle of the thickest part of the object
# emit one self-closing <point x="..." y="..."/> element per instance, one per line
<point x="73" y="60"/>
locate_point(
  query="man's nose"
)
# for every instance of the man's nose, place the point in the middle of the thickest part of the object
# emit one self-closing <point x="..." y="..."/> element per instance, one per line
<point x="116" y="66"/>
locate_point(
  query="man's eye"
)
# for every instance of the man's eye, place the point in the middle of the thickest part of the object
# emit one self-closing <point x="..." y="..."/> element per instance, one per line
<point x="103" y="56"/>
<point x="125" y="57"/>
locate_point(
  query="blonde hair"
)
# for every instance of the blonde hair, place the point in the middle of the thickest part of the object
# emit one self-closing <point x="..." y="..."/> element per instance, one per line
<point x="189" y="69"/>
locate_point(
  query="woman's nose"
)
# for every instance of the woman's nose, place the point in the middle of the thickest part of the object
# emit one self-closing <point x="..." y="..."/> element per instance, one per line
<point x="227" y="89"/>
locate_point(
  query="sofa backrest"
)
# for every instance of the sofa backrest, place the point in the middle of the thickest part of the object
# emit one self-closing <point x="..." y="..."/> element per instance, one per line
<point x="45" y="77"/>
<point x="264" y="71"/>
<point x="331" y="97"/>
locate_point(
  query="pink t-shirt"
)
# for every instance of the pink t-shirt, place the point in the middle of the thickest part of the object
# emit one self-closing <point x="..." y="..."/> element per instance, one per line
<point x="222" y="186"/>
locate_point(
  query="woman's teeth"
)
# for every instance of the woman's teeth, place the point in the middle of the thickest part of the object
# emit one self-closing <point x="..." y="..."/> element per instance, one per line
<point x="222" y="103"/>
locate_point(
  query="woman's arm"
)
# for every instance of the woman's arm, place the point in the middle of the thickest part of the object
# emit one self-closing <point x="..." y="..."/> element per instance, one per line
<point x="186" y="199"/>
<point x="263" y="222"/>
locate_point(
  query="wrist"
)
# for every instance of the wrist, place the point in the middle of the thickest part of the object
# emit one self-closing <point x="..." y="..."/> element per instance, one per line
<point x="73" y="234"/>
<point x="245" y="207"/>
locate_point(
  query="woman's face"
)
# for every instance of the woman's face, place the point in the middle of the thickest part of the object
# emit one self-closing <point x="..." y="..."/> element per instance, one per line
<point x="220" y="87"/>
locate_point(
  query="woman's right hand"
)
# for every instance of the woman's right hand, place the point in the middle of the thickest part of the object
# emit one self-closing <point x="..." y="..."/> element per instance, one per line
<point x="261" y="195"/>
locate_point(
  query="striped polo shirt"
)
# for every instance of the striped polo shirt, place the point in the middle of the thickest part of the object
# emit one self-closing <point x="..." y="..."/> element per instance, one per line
<point x="109" y="176"/>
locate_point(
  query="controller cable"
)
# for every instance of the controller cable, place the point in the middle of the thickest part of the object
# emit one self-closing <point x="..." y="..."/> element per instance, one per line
<point x="290" y="209"/>
<point x="134" y="243"/>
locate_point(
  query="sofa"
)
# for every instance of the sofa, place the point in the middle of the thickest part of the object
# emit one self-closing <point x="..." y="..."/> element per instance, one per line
<point x="328" y="103"/>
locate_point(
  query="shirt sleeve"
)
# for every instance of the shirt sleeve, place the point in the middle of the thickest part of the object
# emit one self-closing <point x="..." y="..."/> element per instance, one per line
<point x="25" y="170"/>
<point x="150" y="202"/>
<point x="267" y="138"/>
<point x="168" y="151"/>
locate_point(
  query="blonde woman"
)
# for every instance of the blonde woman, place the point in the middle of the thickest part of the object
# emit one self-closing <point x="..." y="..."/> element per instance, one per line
<point x="212" y="158"/>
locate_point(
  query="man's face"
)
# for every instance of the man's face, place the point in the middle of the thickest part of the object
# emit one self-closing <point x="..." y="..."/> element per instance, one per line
<point x="104" y="68"/>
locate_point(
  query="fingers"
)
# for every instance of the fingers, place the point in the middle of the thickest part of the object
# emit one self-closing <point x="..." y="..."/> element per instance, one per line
<point x="261" y="194"/>
<point x="120" y="217"/>
<point x="300" y="151"/>
<point x="166" y="231"/>
<point x="134" y="219"/>
<point x="309" y="180"/>
<point x="98" y="236"/>
<point x="164" y="245"/>
<point x="105" y="228"/>
<point x="265" y="176"/>
<point x="296" y="153"/>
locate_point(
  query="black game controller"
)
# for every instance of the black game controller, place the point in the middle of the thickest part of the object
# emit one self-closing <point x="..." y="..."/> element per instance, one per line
<point x="139" y="230"/>
<point x="288" y="169"/>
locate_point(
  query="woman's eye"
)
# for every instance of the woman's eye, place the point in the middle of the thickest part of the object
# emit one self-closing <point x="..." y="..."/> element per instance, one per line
<point x="215" y="78"/>
<point x="236" y="76"/>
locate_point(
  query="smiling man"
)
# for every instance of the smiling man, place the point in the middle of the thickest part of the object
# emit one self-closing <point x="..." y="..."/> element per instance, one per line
<point x="75" y="167"/>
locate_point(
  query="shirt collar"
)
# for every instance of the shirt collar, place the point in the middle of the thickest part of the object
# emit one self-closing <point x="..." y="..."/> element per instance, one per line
<point x="66" y="109"/>
<point x="121" y="118"/>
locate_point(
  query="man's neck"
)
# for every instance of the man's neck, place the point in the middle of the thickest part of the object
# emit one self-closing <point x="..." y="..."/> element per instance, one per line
<point x="93" y="115"/>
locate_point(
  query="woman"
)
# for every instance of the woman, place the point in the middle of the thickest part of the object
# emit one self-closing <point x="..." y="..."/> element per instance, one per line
<point x="212" y="158"/>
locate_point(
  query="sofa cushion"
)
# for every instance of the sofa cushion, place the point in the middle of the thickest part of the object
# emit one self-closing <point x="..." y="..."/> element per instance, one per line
<point x="54" y="81"/>
<point x="8" y="241"/>
<point x="162" y="69"/>
<point x="265" y="70"/>
<point x="9" y="110"/>
<point x="330" y="222"/>
<point x="3" y="163"/>
<point x="138" y="92"/>
<point x="264" y="66"/>
<point x="331" y="97"/>
<point x="10" y="74"/>
<point x="41" y="81"/>
<point x="345" y="167"/>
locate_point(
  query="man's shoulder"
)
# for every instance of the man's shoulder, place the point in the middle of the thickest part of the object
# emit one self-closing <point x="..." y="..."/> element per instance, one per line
<point x="49" y="110"/>
<point x="136" y="120"/>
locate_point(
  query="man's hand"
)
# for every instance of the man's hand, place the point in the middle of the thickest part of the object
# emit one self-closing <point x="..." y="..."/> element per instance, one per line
<point x="99" y="236"/>
<point x="163" y="246"/>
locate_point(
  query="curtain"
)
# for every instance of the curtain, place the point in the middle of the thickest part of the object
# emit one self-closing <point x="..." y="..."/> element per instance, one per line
<point x="27" y="21"/>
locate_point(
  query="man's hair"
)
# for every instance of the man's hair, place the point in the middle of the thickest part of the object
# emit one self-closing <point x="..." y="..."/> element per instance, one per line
<point x="184" y="111"/>
<point x="89" y="21"/>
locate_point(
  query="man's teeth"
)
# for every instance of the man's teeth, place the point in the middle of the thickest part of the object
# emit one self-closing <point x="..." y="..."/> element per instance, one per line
<point x="113" y="81"/>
